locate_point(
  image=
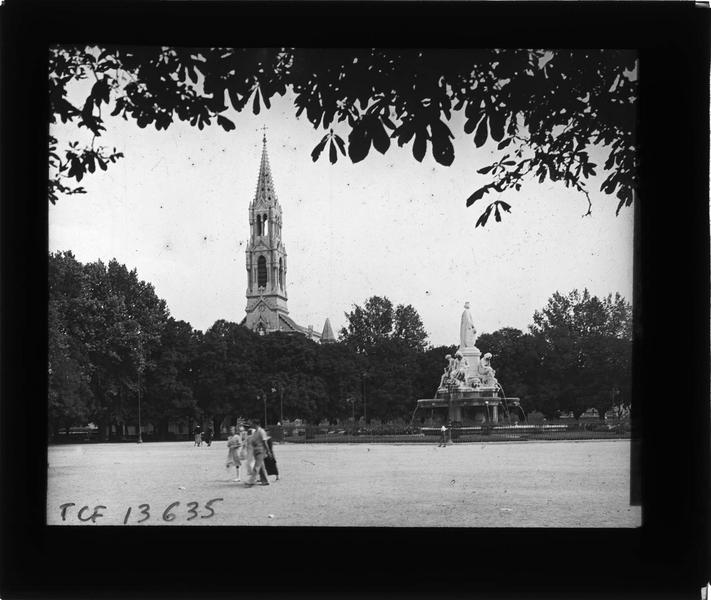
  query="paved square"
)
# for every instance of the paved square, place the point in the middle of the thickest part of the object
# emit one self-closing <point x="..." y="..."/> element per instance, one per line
<point x="531" y="484"/>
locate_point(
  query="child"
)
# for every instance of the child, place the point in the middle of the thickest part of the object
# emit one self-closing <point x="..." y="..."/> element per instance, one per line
<point x="234" y="444"/>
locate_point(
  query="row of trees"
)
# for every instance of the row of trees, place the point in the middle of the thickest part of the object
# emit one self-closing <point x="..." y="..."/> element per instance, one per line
<point x="111" y="337"/>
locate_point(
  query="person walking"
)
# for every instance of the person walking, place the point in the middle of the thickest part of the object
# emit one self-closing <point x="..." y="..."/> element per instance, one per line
<point x="234" y="445"/>
<point x="260" y="449"/>
<point x="197" y="433"/>
<point x="442" y="436"/>
<point x="270" y="463"/>
<point x="245" y="455"/>
<point x="208" y="436"/>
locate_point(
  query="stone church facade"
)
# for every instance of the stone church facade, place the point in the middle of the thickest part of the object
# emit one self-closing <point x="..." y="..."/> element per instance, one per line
<point x="266" y="262"/>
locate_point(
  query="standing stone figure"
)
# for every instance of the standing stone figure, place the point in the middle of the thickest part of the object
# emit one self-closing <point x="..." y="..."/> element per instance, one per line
<point x="467" y="331"/>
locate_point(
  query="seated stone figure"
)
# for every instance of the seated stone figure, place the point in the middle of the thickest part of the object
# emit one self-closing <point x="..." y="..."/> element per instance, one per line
<point x="461" y="365"/>
<point x="447" y="375"/>
<point x="485" y="372"/>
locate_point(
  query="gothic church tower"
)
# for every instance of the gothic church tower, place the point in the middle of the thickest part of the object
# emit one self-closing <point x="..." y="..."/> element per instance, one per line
<point x="266" y="264"/>
<point x="266" y="257"/>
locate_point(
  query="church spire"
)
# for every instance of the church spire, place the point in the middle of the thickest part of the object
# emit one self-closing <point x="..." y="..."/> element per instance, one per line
<point x="327" y="335"/>
<point x="265" y="194"/>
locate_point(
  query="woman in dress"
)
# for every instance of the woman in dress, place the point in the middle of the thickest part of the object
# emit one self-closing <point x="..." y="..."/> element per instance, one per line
<point x="234" y="446"/>
<point x="246" y="454"/>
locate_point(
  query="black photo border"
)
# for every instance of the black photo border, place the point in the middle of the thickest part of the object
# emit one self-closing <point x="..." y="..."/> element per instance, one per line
<point x="666" y="557"/>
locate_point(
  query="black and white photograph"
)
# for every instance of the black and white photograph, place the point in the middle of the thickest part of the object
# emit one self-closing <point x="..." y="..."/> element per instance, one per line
<point x="392" y="285"/>
<point x="346" y="299"/>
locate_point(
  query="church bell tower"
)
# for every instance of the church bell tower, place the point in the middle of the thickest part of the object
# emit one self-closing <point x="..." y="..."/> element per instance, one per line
<point x="266" y="256"/>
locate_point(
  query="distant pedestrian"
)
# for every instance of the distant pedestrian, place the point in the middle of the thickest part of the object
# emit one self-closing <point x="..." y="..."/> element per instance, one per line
<point x="234" y="445"/>
<point x="442" y="436"/>
<point x="207" y="437"/>
<point x="197" y="433"/>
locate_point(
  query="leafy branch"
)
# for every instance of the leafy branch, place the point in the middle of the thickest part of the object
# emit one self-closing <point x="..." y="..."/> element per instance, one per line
<point x="545" y="109"/>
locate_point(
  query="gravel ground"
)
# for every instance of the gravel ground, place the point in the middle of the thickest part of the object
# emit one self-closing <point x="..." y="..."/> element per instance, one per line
<point x="530" y="484"/>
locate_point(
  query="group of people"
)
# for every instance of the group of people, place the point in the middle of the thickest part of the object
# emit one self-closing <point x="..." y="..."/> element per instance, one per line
<point x="201" y="436"/>
<point x="250" y="451"/>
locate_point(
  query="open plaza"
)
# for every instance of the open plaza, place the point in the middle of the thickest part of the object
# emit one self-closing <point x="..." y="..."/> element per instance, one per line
<point x="527" y="484"/>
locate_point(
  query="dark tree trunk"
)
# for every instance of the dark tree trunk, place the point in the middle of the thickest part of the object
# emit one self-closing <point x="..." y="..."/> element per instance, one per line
<point x="103" y="432"/>
<point x="163" y="425"/>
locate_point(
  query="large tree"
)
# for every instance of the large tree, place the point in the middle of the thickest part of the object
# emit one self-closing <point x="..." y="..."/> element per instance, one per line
<point x="547" y="111"/>
<point x="290" y="365"/>
<point x="378" y="321"/>
<point x="586" y="351"/>
<point x="517" y="358"/>
<point x="170" y="381"/>
<point x="105" y="326"/>
<point x="226" y="372"/>
<point x="69" y="368"/>
<point x="388" y="342"/>
<point x="338" y="368"/>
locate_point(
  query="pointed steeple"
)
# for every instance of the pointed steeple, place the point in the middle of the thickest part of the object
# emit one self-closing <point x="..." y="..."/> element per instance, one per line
<point x="265" y="194"/>
<point x="327" y="335"/>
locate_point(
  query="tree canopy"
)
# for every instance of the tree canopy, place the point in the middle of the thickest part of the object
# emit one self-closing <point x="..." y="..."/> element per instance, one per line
<point x="585" y="351"/>
<point x="111" y="338"/>
<point x="376" y="322"/>
<point x="545" y="109"/>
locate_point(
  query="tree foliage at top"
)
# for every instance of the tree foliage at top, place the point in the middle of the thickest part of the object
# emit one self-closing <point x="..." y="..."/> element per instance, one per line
<point x="377" y="322"/>
<point x="582" y="314"/>
<point x="545" y="109"/>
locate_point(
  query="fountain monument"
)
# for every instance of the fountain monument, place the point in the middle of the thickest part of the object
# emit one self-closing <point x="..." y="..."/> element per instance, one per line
<point x="468" y="385"/>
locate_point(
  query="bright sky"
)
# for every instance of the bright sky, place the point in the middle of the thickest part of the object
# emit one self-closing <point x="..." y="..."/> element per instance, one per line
<point x="175" y="208"/>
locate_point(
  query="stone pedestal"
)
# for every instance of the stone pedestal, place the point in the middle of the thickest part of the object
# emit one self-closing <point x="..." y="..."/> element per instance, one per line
<point x="472" y="354"/>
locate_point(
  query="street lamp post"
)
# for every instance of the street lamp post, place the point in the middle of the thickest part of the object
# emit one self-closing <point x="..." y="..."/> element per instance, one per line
<point x="281" y="404"/>
<point x="140" y="438"/>
<point x="364" y="376"/>
<point x="140" y="368"/>
<point x="264" y="397"/>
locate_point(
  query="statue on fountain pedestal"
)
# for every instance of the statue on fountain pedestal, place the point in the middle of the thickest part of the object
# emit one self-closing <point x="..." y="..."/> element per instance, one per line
<point x="467" y="331"/>
<point x="471" y="354"/>
<point x="486" y="372"/>
<point x="448" y="370"/>
<point x="461" y="368"/>
<point x="456" y="373"/>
